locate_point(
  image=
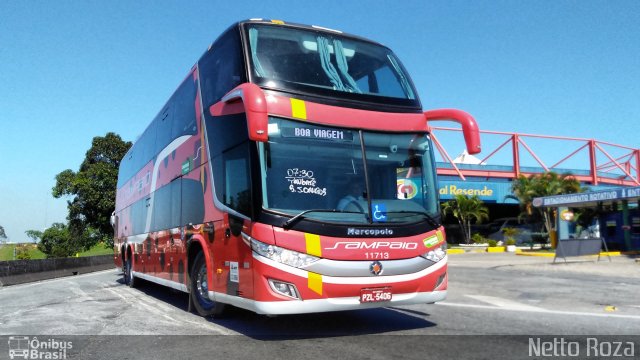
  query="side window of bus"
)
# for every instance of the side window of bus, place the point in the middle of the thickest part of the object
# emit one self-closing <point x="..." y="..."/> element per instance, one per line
<point x="221" y="68"/>
<point x="163" y="128"/>
<point x="126" y="168"/>
<point x="166" y="206"/>
<point x="145" y="147"/>
<point x="237" y="191"/>
<point x="184" y="110"/>
<point x="229" y="146"/>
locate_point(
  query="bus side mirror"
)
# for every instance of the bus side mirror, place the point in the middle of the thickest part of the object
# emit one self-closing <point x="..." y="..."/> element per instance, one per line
<point x="255" y="106"/>
<point x="469" y="126"/>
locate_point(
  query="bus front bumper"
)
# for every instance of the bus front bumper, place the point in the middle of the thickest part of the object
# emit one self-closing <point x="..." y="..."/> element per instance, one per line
<point x="325" y="305"/>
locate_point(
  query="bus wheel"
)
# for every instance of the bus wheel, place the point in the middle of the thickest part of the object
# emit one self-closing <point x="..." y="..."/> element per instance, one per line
<point x="129" y="279"/>
<point x="200" y="290"/>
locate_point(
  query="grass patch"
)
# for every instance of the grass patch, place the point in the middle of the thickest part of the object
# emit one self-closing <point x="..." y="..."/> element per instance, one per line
<point x="6" y="251"/>
<point x="96" y="250"/>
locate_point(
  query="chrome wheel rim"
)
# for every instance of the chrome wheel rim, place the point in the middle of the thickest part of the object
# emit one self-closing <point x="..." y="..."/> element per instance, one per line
<point x="202" y="287"/>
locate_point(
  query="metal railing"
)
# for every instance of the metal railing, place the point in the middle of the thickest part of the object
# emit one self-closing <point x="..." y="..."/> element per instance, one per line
<point x="604" y="163"/>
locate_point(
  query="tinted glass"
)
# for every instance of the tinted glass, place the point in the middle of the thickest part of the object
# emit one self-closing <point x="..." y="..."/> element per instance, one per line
<point x="327" y="63"/>
<point x="237" y="186"/>
<point x="163" y="128"/>
<point x="307" y="167"/>
<point x="229" y="148"/>
<point x="146" y="145"/>
<point x="184" y="110"/>
<point x="221" y="68"/>
<point x="166" y="206"/>
<point x="192" y="202"/>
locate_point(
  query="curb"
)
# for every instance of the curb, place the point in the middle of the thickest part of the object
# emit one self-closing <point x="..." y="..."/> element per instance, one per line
<point x="524" y="253"/>
<point x="455" y="251"/>
<point x="521" y="253"/>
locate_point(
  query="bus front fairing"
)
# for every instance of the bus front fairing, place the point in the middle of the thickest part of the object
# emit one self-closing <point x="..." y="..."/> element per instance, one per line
<point x="354" y="216"/>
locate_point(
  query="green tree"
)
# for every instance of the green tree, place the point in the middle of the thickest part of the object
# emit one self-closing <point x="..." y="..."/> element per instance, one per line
<point x="3" y="235"/>
<point x="57" y="242"/>
<point x="93" y="191"/>
<point x="34" y="235"/>
<point x="466" y="209"/>
<point x="525" y="189"/>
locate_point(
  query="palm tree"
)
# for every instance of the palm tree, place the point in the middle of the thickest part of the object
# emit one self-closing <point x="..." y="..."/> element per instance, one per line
<point x="525" y="189"/>
<point x="466" y="209"/>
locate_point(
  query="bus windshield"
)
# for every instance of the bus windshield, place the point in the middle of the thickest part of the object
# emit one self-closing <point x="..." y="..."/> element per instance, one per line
<point x="309" y="167"/>
<point x="326" y="63"/>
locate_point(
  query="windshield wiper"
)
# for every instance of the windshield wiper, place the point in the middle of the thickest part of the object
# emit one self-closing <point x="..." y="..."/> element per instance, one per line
<point x="430" y="219"/>
<point x="289" y="223"/>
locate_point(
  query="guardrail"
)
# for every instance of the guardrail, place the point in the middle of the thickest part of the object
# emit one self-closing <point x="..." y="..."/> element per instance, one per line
<point x="23" y="271"/>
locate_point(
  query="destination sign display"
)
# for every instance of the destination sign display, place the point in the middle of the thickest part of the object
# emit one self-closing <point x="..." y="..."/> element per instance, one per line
<point x="317" y="133"/>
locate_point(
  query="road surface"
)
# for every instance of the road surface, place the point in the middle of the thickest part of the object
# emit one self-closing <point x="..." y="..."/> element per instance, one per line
<point x="489" y="294"/>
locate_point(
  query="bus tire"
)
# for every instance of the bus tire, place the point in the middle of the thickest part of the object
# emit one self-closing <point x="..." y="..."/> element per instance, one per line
<point x="129" y="279"/>
<point x="200" y="291"/>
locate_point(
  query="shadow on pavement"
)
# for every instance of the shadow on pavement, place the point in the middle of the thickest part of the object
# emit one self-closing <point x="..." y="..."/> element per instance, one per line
<point x="303" y="326"/>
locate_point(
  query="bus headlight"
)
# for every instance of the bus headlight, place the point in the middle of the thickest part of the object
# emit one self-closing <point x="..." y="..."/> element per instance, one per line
<point x="436" y="254"/>
<point x="284" y="256"/>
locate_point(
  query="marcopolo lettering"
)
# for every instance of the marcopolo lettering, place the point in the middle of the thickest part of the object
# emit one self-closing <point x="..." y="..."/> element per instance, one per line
<point x="369" y="232"/>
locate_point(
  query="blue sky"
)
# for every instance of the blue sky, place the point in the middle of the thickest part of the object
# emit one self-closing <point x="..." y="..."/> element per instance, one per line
<point x="72" y="70"/>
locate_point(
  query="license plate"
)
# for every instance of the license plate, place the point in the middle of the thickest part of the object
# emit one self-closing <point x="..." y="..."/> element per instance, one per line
<point x="375" y="295"/>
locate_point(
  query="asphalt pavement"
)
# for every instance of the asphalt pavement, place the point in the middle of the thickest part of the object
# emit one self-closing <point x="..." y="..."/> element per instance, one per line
<point x="496" y="304"/>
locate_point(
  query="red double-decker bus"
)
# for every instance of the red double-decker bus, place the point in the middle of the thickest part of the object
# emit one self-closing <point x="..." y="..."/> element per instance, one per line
<point x="291" y="172"/>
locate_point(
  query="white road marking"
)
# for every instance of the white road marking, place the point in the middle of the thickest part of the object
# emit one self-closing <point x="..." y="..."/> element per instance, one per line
<point x="81" y="293"/>
<point x="160" y="305"/>
<point x="504" y="303"/>
<point x="540" y="310"/>
<point x="155" y="311"/>
<point x="116" y="293"/>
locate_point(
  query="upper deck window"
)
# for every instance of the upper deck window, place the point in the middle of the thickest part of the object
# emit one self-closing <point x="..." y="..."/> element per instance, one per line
<point x="324" y="63"/>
